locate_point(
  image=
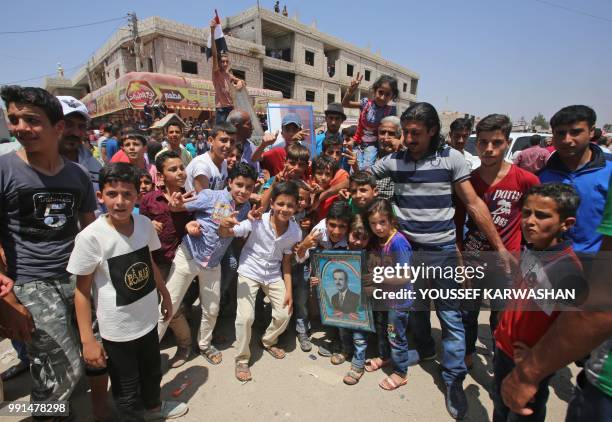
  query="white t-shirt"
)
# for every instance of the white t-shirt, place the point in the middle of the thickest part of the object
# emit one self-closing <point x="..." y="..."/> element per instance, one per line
<point x="203" y="165"/>
<point x="124" y="291"/>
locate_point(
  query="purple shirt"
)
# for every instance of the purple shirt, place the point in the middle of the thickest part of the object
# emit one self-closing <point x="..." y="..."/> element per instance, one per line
<point x="155" y="206"/>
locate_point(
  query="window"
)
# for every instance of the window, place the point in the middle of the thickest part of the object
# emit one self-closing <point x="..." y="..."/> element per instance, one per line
<point x="116" y="73"/>
<point x="150" y="64"/>
<point x="367" y="75"/>
<point x="310" y="96"/>
<point x="349" y="70"/>
<point x="187" y="66"/>
<point x="309" y="58"/>
<point x="240" y="74"/>
<point x="405" y="87"/>
<point x="413" y="86"/>
<point x="331" y="98"/>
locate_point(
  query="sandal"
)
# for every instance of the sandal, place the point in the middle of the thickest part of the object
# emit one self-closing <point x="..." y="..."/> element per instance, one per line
<point x="212" y="355"/>
<point x="353" y="375"/>
<point x="276" y="352"/>
<point x="390" y="384"/>
<point x="375" y="364"/>
<point x="339" y="358"/>
<point x="15" y="370"/>
<point x="242" y="372"/>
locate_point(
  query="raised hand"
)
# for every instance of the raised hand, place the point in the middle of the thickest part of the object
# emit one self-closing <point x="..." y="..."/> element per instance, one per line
<point x="230" y="221"/>
<point x="255" y="214"/>
<point x="351" y="158"/>
<point x="213" y="23"/>
<point x="301" y="135"/>
<point x="344" y="194"/>
<point x="311" y="240"/>
<point x="269" y="138"/>
<point x="355" y="82"/>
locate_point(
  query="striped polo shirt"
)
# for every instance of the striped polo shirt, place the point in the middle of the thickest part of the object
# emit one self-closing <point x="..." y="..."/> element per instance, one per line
<point x="422" y="197"/>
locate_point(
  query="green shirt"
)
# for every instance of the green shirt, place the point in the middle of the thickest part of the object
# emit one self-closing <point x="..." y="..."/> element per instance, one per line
<point x="599" y="366"/>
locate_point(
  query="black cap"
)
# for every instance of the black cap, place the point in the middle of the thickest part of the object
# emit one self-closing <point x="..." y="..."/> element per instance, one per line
<point x="335" y="108"/>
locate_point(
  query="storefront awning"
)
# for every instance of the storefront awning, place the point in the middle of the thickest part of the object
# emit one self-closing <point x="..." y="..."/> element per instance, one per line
<point x="136" y="89"/>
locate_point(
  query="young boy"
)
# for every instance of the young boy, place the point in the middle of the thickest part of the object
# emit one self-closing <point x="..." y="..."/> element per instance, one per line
<point x="235" y="156"/>
<point x="113" y="255"/>
<point x="295" y="168"/>
<point x="202" y="250"/>
<point x="329" y="233"/>
<point x="209" y="170"/>
<point x="324" y="169"/>
<point x="501" y="185"/>
<point x="265" y="263"/>
<point x="362" y="191"/>
<point x="333" y="148"/>
<point x="170" y="227"/>
<point x="548" y="212"/>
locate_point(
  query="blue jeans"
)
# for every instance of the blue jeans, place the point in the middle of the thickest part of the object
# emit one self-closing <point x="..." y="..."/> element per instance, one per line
<point x="22" y="352"/>
<point x="401" y="356"/>
<point x="299" y="275"/>
<point x="588" y="403"/>
<point x="502" y="366"/>
<point x="381" y="321"/>
<point x="221" y="114"/>
<point x="358" y="342"/>
<point x="448" y="312"/>
<point x="366" y="156"/>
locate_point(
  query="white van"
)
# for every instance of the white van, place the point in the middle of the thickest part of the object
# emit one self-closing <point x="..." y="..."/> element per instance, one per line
<point x="518" y="142"/>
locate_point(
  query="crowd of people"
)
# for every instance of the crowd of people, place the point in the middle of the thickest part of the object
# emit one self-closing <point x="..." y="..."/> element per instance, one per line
<point x="128" y="241"/>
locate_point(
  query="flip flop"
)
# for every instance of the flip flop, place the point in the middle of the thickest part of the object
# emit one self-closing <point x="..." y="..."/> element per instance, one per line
<point x="389" y="384"/>
<point x="276" y="352"/>
<point x="371" y="366"/>
<point x="243" y="368"/>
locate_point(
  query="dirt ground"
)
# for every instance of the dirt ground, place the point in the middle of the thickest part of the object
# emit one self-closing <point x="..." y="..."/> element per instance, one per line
<point x="307" y="387"/>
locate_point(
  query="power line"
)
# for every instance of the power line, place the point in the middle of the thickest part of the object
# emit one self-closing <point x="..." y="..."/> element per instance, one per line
<point x="61" y="28"/>
<point x="570" y="9"/>
<point x="41" y="76"/>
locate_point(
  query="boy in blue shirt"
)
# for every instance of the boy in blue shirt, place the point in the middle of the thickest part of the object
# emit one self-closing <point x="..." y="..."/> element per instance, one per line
<point x="202" y="249"/>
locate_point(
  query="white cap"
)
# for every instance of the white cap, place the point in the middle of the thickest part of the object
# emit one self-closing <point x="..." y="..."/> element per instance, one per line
<point x="72" y="105"/>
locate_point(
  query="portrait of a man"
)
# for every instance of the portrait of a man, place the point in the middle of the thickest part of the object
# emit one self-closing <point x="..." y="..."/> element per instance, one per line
<point x="345" y="301"/>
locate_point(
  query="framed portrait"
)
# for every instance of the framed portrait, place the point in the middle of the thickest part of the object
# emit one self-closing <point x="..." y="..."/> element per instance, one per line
<point x="342" y="302"/>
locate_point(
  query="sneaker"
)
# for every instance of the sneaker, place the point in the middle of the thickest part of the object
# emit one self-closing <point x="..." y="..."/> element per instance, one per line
<point x="456" y="401"/>
<point x="168" y="410"/>
<point x="324" y="351"/>
<point x="181" y="357"/>
<point x="305" y="343"/>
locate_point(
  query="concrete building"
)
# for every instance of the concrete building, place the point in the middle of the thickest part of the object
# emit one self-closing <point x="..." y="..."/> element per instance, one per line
<point x="267" y="50"/>
<point x="448" y="117"/>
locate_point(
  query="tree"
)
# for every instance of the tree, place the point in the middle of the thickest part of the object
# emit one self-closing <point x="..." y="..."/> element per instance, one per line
<point x="539" y="120"/>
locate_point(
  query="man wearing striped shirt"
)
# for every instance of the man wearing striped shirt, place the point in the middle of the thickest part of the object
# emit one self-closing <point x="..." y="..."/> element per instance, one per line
<point x="424" y="177"/>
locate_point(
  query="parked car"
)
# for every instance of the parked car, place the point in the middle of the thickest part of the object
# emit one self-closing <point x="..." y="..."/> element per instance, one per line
<point x="518" y="142"/>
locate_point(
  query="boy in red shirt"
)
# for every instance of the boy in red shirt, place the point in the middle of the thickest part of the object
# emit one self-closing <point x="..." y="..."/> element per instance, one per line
<point x="501" y="185"/>
<point x="548" y="265"/>
<point x="324" y="168"/>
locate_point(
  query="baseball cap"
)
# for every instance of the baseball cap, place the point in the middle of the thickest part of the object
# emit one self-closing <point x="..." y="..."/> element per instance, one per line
<point x="291" y="118"/>
<point x="72" y="105"/>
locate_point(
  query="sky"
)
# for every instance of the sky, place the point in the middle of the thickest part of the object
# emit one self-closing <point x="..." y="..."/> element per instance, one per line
<point x="479" y="57"/>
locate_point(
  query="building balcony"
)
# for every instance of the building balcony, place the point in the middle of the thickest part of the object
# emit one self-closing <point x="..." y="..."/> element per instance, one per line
<point x="278" y="64"/>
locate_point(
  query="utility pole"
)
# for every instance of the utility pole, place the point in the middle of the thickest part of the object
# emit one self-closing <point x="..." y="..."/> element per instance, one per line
<point x="133" y="24"/>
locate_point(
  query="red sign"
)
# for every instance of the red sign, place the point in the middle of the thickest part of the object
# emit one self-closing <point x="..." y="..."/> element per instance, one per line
<point x="140" y="93"/>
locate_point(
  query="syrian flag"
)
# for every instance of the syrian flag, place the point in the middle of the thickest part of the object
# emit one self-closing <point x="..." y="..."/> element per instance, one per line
<point x="219" y="39"/>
